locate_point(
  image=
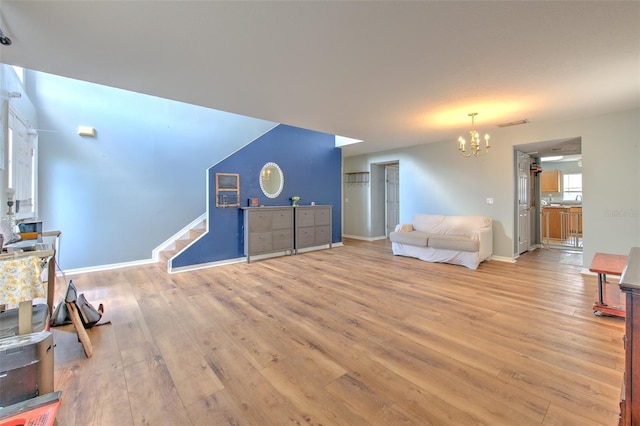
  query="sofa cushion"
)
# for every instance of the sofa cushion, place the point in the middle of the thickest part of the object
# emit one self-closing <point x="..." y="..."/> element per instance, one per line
<point x="427" y="222"/>
<point x="465" y="226"/>
<point x="453" y="242"/>
<point x="414" y="238"/>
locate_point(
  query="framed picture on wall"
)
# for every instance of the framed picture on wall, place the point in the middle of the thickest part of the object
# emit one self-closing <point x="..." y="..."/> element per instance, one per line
<point x="227" y="190"/>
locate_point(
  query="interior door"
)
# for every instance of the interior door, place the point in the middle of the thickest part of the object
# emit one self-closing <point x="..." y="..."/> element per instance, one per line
<point x="22" y="165"/>
<point x="392" y="197"/>
<point x="524" y="203"/>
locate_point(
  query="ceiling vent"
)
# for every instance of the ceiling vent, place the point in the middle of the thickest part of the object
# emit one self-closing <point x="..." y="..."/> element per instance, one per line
<point x="513" y="123"/>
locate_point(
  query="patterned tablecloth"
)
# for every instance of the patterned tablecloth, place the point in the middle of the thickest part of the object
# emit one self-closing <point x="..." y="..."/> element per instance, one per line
<point x="20" y="280"/>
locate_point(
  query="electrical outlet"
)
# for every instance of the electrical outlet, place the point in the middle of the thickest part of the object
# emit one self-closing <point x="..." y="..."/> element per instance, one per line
<point x="489" y="200"/>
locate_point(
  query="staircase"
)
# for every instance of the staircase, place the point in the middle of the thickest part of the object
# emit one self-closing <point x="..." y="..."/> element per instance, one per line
<point x="181" y="241"/>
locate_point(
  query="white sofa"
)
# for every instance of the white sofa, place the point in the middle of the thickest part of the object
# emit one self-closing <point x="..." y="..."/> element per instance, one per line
<point x="461" y="240"/>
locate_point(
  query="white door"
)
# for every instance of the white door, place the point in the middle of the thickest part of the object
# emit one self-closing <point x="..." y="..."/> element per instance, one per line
<point x="392" y="197"/>
<point x="22" y="165"/>
<point x="524" y="201"/>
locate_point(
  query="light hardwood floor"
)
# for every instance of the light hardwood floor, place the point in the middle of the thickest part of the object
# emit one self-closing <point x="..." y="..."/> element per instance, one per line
<point x="347" y="336"/>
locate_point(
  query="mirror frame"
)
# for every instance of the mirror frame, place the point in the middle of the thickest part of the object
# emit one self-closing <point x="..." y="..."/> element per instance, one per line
<point x="271" y="165"/>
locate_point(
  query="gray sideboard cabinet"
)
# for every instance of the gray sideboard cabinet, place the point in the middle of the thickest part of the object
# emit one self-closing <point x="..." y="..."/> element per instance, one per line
<point x="267" y="230"/>
<point x="312" y="226"/>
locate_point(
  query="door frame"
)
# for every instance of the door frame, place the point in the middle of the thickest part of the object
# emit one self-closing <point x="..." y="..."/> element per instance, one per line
<point x="386" y="194"/>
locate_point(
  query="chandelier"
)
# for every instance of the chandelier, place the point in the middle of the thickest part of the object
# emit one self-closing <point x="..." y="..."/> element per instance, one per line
<point x="475" y="147"/>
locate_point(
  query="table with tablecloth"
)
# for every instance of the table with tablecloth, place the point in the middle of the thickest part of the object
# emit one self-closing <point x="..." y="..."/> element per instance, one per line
<point x="21" y="282"/>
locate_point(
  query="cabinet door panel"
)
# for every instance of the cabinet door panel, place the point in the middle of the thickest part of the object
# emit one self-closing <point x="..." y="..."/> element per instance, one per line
<point x="576" y="219"/>
<point x="282" y="219"/>
<point x="304" y="217"/>
<point x="550" y="181"/>
<point x="323" y="234"/>
<point x="260" y="242"/>
<point x="323" y="216"/>
<point x="282" y="239"/>
<point x="260" y="220"/>
<point x="305" y="236"/>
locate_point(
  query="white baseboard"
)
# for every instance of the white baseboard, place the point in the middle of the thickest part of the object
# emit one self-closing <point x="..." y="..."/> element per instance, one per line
<point x="503" y="259"/>
<point x="106" y="267"/>
<point x="206" y="265"/>
<point x="358" y="237"/>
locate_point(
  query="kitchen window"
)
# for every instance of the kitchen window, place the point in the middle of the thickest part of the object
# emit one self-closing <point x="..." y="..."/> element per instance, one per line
<point x="572" y="187"/>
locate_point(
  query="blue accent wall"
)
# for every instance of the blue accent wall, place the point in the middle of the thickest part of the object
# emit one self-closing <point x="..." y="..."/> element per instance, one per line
<point x="312" y="168"/>
<point x="139" y="181"/>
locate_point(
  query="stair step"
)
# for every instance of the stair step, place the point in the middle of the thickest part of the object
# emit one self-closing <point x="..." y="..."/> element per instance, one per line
<point x="181" y="243"/>
<point x="167" y="254"/>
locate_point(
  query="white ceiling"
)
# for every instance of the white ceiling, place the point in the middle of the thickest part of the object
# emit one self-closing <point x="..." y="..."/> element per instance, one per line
<point x="391" y="73"/>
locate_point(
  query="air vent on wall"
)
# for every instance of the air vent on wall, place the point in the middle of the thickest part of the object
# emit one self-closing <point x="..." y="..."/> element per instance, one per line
<point x="513" y="123"/>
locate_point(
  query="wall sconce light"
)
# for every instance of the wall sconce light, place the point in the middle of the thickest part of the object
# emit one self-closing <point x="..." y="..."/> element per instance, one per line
<point x="87" y="131"/>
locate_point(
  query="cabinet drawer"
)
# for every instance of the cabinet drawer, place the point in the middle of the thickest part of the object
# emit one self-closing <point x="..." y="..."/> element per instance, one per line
<point x="282" y="219"/>
<point x="323" y="216"/>
<point x="304" y="217"/>
<point x="260" y="242"/>
<point x="305" y="237"/>
<point x="260" y="220"/>
<point x="282" y="239"/>
<point x="323" y="235"/>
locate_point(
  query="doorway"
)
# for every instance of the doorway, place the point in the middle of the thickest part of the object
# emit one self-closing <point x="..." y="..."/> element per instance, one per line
<point x="562" y="159"/>
<point x="392" y="197"/>
<point x="524" y="199"/>
<point x="561" y="202"/>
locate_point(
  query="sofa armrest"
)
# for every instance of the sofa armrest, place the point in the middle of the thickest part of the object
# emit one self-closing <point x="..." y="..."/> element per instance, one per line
<point x="485" y="237"/>
<point x="404" y="227"/>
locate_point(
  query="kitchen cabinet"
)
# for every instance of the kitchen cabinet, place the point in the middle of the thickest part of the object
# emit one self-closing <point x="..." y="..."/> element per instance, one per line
<point x="552" y="215"/>
<point x="550" y="181"/>
<point x="576" y="219"/>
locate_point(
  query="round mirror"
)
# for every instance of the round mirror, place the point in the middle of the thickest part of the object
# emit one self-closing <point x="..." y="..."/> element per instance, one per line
<point x="271" y="180"/>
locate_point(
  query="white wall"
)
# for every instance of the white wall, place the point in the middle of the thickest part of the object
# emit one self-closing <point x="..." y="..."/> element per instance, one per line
<point x="435" y="178"/>
<point x="140" y="180"/>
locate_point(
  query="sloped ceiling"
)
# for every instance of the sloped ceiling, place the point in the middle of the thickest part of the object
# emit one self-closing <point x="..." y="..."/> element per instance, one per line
<point x="391" y="73"/>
